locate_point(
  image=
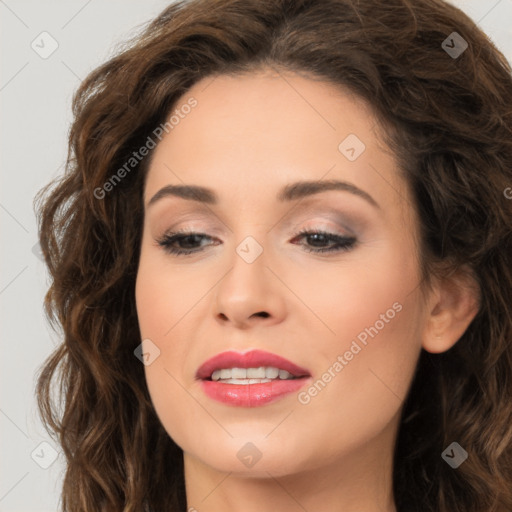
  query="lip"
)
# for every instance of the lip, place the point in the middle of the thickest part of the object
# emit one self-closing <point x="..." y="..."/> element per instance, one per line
<point x="250" y="359"/>
<point x="250" y="395"/>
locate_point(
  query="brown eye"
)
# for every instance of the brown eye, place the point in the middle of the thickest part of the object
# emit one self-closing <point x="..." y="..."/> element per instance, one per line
<point x="182" y="242"/>
<point x="319" y="238"/>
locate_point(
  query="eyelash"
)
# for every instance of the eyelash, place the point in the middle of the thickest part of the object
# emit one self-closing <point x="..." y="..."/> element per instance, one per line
<point x="343" y="243"/>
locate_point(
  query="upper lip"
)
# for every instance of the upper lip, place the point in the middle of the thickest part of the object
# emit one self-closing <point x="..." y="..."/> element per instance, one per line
<point x="250" y="359"/>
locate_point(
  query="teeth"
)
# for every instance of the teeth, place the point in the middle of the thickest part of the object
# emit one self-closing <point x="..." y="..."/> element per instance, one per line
<point x="238" y="373"/>
<point x="251" y="375"/>
<point x="271" y="373"/>
<point x="246" y="381"/>
<point x="255" y="373"/>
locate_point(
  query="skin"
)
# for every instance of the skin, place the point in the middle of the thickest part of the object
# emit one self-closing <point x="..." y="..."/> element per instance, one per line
<point x="248" y="136"/>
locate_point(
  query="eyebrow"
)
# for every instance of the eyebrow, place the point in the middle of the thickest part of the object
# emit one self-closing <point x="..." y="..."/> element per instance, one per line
<point x="290" y="192"/>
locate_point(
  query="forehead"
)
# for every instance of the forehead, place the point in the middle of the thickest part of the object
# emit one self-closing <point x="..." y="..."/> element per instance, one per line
<point x="248" y="134"/>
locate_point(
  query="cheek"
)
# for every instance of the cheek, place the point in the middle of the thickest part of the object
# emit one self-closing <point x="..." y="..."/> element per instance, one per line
<point x="166" y="301"/>
<point x="371" y="316"/>
<point x="369" y="363"/>
<point x="164" y="294"/>
<point x="362" y="386"/>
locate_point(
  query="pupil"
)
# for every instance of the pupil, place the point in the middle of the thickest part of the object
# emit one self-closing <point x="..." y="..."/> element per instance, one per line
<point x="189" y="237"/>
<point x="317" y="237"/>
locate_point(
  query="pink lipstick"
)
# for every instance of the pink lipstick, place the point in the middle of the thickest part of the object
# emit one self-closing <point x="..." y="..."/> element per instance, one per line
<point x="250" y="379"/>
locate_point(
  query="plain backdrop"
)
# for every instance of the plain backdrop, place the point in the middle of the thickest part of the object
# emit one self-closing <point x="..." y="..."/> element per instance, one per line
<point x="35" y="99"/>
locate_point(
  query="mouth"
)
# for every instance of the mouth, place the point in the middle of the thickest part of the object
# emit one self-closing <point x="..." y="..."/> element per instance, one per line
<point x="250" y="379"/>
<point x="255" y="365"/>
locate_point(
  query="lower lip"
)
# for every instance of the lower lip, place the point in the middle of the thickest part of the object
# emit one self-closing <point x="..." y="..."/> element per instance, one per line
<point x="251" y="395"/>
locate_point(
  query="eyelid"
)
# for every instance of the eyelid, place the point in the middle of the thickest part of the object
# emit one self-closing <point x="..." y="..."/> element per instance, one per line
<point x="340" y="230"/>
<point x="336" y="226"/>
<point x="316" y="217"/>
<point x="327" y="226"/>
<point x="195" y="226"/>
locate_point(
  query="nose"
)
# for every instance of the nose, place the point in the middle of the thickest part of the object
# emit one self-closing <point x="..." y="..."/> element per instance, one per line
<point x="249" y="294"/>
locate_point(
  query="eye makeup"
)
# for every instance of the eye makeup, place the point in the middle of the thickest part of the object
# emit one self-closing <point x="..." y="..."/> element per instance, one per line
<point x="336" y="243"/>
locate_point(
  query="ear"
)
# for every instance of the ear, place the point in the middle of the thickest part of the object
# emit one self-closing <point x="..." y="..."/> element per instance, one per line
<point x="453" y="303"/>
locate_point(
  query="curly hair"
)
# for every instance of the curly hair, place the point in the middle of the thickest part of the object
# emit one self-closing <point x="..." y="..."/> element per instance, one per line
<point x="448" y="121"/>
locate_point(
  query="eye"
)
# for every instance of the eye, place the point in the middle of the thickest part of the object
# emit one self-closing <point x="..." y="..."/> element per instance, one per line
<point x="186" y="238"/>
<point x="185" y="242"/>
<point x="339" y="243"/>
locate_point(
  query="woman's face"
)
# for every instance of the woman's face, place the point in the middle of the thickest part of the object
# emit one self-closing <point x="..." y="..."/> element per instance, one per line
<point x="349" y="318"/>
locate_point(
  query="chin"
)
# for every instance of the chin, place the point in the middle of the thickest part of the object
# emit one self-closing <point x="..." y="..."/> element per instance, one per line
<point x="255" y="458"/>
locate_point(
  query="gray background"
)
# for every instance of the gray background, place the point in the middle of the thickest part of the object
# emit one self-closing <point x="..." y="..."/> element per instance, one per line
<point x="35" y="99"/>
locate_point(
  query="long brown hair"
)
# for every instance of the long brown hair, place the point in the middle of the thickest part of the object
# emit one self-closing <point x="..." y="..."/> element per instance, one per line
<point x="447" y="118"/>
